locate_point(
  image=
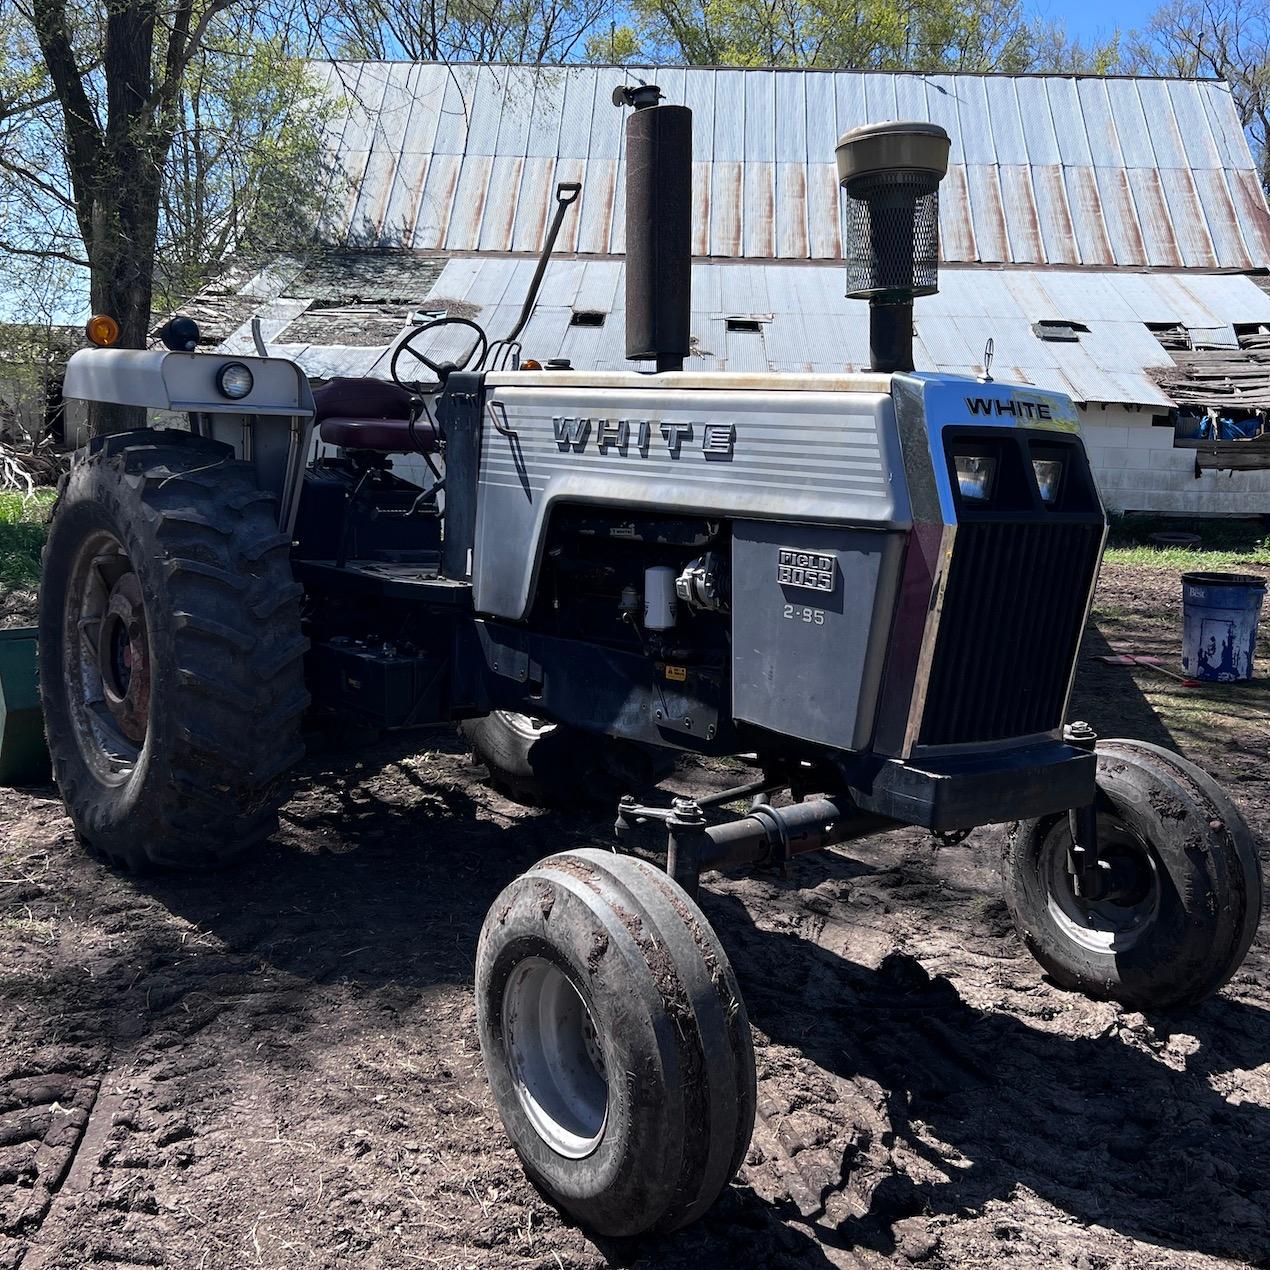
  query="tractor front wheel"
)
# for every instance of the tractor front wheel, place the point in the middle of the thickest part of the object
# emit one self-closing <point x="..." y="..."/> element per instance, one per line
<point x="1184" y="894"/>
<point x="615" y="1042"/>
<point x="170" y="651"/>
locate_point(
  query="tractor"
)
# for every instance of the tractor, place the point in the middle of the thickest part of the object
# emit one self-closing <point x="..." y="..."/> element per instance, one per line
<point x="871" y="587"/>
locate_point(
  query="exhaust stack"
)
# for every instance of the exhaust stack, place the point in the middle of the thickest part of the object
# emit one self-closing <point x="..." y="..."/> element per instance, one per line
<point x="658" y="227"/>
<point x="891" y="173"/>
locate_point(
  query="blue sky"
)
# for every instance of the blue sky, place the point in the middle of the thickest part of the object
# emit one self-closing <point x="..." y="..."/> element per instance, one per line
<point x="1096" y="19"/>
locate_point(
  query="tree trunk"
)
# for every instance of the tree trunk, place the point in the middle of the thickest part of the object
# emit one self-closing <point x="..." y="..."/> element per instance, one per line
<point x="121" y="255"/>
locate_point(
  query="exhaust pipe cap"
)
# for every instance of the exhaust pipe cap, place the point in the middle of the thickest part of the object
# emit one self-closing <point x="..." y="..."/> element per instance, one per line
<point x="886" y="149"/>
<point x="640" y="96"/>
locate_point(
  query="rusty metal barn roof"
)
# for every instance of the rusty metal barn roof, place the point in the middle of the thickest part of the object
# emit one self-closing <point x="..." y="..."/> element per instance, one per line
<point x="804" y="323"/>
<point x="1046" y="170"/>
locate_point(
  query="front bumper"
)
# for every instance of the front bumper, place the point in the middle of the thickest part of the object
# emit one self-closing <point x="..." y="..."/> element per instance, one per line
<point x="960" y="792"/>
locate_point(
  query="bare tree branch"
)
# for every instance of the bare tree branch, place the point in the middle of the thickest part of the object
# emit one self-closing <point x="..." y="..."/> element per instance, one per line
<point x="41" y="253"/>
<point x="183" y="46"/>
<point x="84" y="140"/>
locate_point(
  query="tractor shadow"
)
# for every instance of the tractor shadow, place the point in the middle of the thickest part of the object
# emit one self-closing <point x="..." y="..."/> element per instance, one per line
<point x="384" y="866"/>
<point x="388" y="861"/>
<point x="1105" y="1128"/>
<point x="1108" y="697"/>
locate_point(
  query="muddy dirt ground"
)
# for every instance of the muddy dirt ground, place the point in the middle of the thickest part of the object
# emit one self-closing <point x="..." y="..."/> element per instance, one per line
<point x="278" y="1067"/>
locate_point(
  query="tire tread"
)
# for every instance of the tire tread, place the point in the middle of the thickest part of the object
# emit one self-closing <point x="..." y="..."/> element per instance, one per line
<point x="225" y="629"/>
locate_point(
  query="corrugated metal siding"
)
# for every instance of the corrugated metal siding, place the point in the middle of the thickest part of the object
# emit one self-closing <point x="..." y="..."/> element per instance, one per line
<point x="806" y="324"/>
<point x="1049" y="170"/>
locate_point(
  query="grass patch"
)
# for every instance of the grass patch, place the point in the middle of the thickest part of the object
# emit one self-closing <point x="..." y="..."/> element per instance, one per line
<point x="22" y="522"/>
<point x="1229" y="545"/>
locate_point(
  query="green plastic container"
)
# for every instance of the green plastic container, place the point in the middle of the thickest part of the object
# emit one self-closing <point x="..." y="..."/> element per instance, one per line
<point x="24" y="758"/>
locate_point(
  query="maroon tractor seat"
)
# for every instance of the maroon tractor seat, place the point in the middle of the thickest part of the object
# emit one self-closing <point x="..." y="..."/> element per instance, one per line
<point x="370" y="414"/>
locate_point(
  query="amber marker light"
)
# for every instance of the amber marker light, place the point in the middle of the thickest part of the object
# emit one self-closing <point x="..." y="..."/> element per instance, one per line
<point x="102" y="330"/>
<point x="530" y="364"/>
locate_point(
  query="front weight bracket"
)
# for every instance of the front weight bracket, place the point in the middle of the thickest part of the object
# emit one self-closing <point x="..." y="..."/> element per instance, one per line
<point x="1089" y="873"/>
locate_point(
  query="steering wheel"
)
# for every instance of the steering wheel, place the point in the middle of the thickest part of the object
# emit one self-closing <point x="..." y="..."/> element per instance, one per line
<point x="442" y="370"/>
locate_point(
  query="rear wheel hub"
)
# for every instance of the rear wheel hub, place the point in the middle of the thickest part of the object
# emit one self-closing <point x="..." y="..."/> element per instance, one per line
<point x="109" y="683"/>
<point x="123" y="657"/>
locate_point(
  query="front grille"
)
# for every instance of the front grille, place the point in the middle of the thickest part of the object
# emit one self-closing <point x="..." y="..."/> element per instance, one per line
<point x="1011" y="623"/>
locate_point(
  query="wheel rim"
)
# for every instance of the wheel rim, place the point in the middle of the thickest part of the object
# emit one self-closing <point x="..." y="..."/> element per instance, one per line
<point x="108" y="658"/>
<point x="1121" y="919"/>
<point x="525" y="725"/>
<point x="553" y="1051"/>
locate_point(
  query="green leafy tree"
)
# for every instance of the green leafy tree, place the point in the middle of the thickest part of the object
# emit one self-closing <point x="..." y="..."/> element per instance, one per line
<point x="930" y="35"/>
<point x="1054" y="51"/>
<point x="248" y="173"/>
<point x="39" y="243"/>
<point x="531" y="31"/>
<point x="145" y="142"/>
<point x="616" y="46"/>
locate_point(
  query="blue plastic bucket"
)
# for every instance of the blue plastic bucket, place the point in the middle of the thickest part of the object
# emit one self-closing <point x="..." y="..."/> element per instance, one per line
<point x="1219" y="624"/>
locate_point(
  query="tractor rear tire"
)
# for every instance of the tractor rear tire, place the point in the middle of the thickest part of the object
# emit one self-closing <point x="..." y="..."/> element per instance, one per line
<point x="615" y="1041"/>
<point x="171" y="658"/>
<point x="1188" y="879"/>
<point x="546" y="764"/>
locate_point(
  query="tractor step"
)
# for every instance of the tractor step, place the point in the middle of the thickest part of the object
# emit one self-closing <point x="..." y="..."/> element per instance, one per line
<point x="420" y="583"/>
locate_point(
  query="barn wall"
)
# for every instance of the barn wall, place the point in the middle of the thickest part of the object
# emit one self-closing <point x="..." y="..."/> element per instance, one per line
<point x="1138" y="469"/>
<point x="22" y="404"/>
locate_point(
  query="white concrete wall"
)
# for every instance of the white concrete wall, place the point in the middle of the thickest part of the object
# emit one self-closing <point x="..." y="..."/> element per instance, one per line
<point x="22" y="405"/>
<point x="1138" y="469"/>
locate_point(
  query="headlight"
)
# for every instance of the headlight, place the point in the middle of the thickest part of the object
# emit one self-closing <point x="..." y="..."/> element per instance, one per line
<point x="1049" y="478"/>
<point x="975" y="473"/>
<point x="234" y="380"/>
